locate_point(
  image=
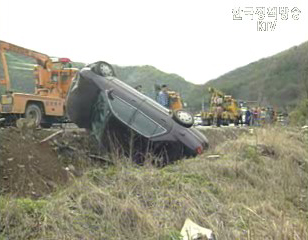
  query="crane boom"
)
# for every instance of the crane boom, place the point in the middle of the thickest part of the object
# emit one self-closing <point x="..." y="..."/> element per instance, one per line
<point x="42" y="59"/>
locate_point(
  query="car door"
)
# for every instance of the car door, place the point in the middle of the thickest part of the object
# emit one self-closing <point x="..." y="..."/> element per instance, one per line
<point x="121" y="109"/>
<point x="134" y="117"/>
<point x="146" y="126"/>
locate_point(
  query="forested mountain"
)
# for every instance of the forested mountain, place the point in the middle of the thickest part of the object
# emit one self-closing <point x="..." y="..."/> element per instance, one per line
<point x="280" y="80"/>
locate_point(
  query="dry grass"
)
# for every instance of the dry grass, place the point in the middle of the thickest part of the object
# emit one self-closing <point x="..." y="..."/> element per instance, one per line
<point x="257" y="190"/>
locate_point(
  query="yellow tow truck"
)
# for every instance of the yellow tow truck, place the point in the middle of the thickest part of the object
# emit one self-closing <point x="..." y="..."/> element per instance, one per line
<point x="221" y="106"/>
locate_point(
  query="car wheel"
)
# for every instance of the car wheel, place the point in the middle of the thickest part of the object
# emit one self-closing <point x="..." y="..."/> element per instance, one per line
<point x="104" y="69"/>
<point x="183" y="118"/>
<point x="34" y="112"/>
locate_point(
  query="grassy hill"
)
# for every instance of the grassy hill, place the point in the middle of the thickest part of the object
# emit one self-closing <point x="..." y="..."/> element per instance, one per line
<point x="257" y="189"/>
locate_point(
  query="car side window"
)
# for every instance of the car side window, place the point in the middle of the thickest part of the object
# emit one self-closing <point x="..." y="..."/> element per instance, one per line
<point x="146" y="126"/>
<point x="135" y="118"/>
<point x="122" y="109"/>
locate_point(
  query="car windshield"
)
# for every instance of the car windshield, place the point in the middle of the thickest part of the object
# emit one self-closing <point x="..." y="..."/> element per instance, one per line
<point x="142" y="96"/>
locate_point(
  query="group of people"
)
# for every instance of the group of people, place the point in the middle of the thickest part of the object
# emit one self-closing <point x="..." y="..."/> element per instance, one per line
<point x="255" y="116"/>
<point x="258" y="116"/>
<point x="163" y="97"/>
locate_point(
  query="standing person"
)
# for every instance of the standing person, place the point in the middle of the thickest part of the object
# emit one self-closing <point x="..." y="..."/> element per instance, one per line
<point x="240" y="117"/>
<point x="268" y="116"/>
<point x="139" y="88"/>
<point x="262" y="116"/>
<point x="163" y="96"/>
<point x="272" y="116"/>
<point x="258" y="116"/>
<point x="254" y="115"/>
<point x="219" y="111"/>
<point x="247" y="117"/>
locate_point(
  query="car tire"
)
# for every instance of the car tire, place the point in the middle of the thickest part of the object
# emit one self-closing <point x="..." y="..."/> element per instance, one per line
<point x="186" y="119"/>
<point x="98" y="69"/>
<point x="33" y="111"/>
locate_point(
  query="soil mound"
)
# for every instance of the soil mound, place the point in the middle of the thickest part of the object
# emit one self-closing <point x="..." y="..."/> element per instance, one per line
<point x="31" y="168"/>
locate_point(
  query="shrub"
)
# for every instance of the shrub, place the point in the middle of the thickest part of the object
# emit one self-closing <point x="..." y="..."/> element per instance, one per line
<point x="299" y="116"/>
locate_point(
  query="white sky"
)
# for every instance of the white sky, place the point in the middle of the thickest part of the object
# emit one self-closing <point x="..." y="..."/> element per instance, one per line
<point x="196" y="39"/>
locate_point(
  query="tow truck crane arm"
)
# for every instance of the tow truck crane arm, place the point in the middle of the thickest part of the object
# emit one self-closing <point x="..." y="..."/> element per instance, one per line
<point x="42" y="60"/>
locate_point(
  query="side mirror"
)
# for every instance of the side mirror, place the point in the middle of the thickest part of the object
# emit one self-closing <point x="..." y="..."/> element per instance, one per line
<point x="109" y="94"/>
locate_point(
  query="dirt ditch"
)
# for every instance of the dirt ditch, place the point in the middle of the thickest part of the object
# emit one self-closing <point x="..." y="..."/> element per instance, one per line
<point x="29" y="168"/>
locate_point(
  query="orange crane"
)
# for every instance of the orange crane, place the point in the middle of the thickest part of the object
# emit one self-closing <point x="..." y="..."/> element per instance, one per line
<point x="53" y="77"/>
<point x="230" y="109"/>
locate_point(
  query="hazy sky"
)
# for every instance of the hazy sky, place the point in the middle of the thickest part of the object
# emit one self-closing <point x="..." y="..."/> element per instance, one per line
<point x="196" y="39"/>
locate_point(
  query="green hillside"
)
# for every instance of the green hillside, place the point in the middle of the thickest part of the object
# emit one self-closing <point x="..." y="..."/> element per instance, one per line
<point x="277" y="80"/>
<point x="148" y="76"/>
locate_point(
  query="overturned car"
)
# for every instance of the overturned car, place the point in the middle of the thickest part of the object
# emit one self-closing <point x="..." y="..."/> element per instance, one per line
<point x="125" y="120"/>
